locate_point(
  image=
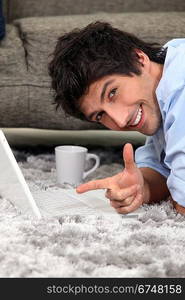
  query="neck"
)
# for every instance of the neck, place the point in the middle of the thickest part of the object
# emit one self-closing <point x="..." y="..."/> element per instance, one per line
<point x="156" y="71"/>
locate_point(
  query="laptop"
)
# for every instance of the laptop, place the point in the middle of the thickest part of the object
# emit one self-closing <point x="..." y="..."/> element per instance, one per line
<point x="52" y="202"/>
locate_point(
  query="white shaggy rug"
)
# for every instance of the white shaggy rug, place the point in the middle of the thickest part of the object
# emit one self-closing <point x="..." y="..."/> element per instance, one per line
<point x="89" y="246"/>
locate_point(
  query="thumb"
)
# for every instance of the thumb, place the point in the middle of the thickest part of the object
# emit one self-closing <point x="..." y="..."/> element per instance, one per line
<point x="128" y="157"/>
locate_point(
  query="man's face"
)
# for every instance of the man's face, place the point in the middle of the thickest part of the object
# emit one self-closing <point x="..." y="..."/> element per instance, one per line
<point x="124" y="103"/>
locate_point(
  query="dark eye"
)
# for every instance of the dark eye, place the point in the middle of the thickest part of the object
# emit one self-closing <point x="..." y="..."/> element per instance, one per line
<point x="99" y="116"/>
<point x="112" y="93"/>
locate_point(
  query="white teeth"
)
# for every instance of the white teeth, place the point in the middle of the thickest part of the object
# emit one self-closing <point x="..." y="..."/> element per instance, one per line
<point x="138" y="118"/>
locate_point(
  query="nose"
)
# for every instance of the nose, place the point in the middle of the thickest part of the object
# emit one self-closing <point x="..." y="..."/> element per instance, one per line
<point x="119" y="118"/>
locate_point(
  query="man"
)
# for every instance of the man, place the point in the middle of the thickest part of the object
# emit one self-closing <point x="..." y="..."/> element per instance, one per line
<point x="105" y="75"/>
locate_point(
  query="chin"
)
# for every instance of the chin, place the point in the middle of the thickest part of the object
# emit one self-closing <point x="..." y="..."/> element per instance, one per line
<point x="152" y="128"/>
<point x="149" y="131"/>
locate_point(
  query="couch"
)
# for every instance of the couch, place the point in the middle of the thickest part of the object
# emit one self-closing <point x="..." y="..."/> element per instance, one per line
<point x="27" y="114"/>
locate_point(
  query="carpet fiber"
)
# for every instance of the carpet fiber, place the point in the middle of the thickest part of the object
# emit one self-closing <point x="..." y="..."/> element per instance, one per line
<point x="89" y="246"/>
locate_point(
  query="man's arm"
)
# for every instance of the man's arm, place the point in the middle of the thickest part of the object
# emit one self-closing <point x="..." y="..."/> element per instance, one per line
<point x="155" y="186"/>
<point x="132" y="187"/>
<point x="157" y="190"/>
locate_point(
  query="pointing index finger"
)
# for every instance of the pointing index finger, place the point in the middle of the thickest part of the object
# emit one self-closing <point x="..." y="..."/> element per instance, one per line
<point x="93" y="185"/>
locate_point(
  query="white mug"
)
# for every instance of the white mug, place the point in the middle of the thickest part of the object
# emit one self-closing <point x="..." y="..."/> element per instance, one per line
<point x="70" y="164"/>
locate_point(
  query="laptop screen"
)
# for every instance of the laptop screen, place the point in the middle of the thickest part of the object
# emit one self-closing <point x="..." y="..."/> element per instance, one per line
<point x="12" y="183"/>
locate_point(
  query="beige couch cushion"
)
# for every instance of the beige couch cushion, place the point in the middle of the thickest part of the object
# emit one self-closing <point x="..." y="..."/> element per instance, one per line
<point x="34" y="8"/>
<point x="25" y="97"/>
<point x="12" y="56"/>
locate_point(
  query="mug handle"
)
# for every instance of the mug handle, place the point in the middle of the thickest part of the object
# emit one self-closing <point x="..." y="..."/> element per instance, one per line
<point x="97" y="163"/>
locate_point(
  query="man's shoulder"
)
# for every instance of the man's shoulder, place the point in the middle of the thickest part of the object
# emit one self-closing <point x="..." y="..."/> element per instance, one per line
<point x="173" y="76"/>
<point x="174" y="55"/>
<point x="175" y="43"/>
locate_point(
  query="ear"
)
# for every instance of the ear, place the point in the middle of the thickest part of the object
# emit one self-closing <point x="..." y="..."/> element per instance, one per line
<point x="142" y="58"/>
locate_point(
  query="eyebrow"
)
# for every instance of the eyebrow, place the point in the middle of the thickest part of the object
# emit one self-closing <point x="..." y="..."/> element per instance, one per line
<point x="104" y="89"/>
<point x="102" y="95"/>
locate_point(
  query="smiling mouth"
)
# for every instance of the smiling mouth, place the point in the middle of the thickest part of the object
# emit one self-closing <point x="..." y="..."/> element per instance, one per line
<point x="137" y="119"/>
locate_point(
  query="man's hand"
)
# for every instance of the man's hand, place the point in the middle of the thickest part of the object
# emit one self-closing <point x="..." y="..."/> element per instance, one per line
<point x="126" y="190"/>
